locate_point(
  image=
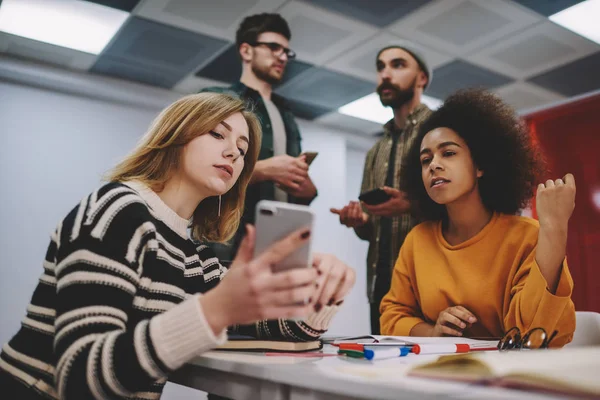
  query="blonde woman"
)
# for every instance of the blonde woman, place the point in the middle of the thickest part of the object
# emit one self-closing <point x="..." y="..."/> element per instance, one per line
<point x="126" y="296"/>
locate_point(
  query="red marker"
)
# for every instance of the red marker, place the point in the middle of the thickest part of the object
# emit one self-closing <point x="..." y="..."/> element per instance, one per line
<point x="440" y="348"/>
<point x="352" y="346"/>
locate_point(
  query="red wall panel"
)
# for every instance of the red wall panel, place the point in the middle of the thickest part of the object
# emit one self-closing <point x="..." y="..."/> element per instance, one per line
<point x="569" y="136"/>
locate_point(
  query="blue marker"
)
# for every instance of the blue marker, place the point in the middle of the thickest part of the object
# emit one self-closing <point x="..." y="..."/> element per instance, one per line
<point x="381" y="353"/>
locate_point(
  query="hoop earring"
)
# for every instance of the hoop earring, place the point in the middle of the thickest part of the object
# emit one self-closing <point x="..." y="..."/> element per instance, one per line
<point x="219" y="213"/>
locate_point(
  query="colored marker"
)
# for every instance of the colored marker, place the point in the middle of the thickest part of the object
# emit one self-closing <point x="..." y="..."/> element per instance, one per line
<point x="381" y="353"/>
<point x="440" y="348"/>
<point x="351" y="353"/>
<point x="351" y="346"/>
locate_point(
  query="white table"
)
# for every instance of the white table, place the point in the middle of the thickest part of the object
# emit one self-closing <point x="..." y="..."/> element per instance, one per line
<point x="243" y="376"/>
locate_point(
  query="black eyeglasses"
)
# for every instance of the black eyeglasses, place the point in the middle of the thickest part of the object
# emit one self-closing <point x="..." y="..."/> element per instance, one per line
<point x="536" y="338"/>
<point x="276" y="49"/>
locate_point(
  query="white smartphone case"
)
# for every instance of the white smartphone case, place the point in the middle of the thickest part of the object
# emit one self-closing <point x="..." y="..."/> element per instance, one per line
<point x="274" y="221"/>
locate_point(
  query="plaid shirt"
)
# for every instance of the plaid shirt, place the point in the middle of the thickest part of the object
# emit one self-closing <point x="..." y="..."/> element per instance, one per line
<point x="375" y="172"/>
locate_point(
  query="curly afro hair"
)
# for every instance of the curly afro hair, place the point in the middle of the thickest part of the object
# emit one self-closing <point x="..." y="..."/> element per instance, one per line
<point x="500" y="145"/>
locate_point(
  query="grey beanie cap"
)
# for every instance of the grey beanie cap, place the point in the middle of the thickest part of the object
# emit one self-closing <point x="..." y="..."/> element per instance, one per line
<point x="417" y="55"/>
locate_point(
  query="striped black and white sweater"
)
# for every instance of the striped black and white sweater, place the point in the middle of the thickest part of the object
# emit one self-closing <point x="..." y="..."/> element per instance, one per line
<point x="117" y="307"/>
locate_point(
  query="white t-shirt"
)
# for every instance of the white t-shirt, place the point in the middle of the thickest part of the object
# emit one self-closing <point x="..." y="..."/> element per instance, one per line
<point x="279" y="140"/>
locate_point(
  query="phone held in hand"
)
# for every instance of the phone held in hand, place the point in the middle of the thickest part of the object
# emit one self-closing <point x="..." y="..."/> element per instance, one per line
<point x="274" y="221"/>
<point x="374" y="197"/>
<point x="310" y="156"/>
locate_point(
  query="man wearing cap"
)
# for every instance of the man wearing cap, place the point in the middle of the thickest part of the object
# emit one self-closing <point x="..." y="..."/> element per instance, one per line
<point x="402" y="75"/>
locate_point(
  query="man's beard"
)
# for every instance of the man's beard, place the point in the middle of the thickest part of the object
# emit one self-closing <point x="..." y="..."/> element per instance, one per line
<point x="263" y="73"/>
<point x="399" y="96"/>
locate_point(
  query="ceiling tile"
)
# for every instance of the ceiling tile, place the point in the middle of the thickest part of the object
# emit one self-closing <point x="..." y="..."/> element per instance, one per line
<point x="214" y="18"/>
<point x="21" y="47"/>
<point x="325" y="88"/>
<point x="459" y="27"/>
<point x="350" y="124"/>
<point x="125" y="70"/>
<point x="523" y="96"/>
<point x="319" y="35"/>
<point x="375" y="12"/>
<point x="578" y="77"/>
<point x="514" y="56"/>
<point x="547" y="7"/>
<point x="227" y="67"/>
<point x="464" y="23"/>
<point x="462" y="75"/>
<point x="125" y="5"/>
<point x="156" y="54"/>
<point x="306" y="111"/>
<point x="360" y="61"/>
<point x="193" y="84"/>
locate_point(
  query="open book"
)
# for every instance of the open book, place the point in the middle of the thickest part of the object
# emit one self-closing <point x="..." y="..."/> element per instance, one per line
<point x="247" y="343"/>
<point x="372" y="339"/>
<point x="377" y="340"/>
<point x="571" y="371"/>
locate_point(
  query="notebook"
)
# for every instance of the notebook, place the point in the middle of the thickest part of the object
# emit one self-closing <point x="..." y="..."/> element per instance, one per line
<point x="570" y="371"/>
<point x="247" y="343"/>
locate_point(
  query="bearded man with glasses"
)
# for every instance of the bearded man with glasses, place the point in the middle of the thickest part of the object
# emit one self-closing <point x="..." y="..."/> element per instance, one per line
<point x="281" y="173"/>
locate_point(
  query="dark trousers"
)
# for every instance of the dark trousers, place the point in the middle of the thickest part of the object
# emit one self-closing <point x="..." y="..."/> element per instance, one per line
<point x="375" y="319"/>
<point x="383" y="281"/>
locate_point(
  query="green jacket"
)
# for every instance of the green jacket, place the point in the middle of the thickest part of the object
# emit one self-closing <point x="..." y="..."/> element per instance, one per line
<point x="263" y="190"/>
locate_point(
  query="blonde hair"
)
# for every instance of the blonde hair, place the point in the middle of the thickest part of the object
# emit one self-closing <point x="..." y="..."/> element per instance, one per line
<point x="158" y="155"/>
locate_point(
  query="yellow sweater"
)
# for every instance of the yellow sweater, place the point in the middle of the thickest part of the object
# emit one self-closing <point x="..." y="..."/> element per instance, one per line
<point x="494" y="275"/>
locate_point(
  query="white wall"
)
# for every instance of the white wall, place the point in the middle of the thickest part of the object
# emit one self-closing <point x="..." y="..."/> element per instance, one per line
<point x="55" y="149"/>
<point x="338" y="178"/>
<point x="355" y="161"/>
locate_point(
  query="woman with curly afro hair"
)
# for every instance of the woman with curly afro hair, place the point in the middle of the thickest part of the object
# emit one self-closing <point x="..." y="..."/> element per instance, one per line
<point x="473" y="267"/>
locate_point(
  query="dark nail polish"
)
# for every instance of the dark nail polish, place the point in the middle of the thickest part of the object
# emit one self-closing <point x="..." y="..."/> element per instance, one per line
<point x="317" y="285"/>
<point x="305" y="234"/>
<point x="319" y="272"/>
<point x="330" y="302"/>
<point x="339" y="303"/>
<point x="318" y="307"/>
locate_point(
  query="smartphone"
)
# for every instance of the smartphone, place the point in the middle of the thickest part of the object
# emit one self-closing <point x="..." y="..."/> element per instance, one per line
<point x="310" y="156"/>
<point x="274" y="221"/>
<point x="374" y="197"/>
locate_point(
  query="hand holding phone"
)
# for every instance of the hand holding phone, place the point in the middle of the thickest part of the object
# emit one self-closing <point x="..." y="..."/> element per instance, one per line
<point x="374" y="197"/>
<point x="392" y="203"/>
<point x="250" y="291"/>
